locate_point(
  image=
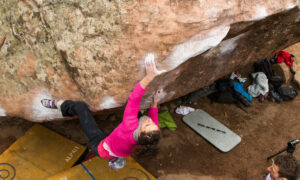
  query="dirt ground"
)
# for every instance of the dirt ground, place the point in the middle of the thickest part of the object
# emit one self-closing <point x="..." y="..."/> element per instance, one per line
<point x="183" y="154"/>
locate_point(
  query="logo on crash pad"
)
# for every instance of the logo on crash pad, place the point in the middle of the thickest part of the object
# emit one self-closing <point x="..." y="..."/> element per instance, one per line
<point x="7" y="171"/>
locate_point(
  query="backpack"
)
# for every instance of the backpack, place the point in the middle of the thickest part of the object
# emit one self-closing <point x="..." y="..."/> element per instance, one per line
<point x="202" y="92"/>
<point x="276" y="81"/>
<point x="287" y="93"/>
<point x="225" y="93"/>
<point x="264" y="66"/>
<point x="242" y="99"/>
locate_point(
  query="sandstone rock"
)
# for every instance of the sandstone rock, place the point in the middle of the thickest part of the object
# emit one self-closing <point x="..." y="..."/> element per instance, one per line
<point x="294" y="49"/>
<point x="297" y="79"/>
<point x="296" y="70"/>
<point x="2" y="40"/>
<point x="283" y="71"/>
<point x="296" y="65"/>
<point x="93" y="50"/>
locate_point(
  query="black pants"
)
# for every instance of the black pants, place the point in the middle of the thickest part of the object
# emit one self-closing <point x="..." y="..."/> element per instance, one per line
<point x="77" y="108"/>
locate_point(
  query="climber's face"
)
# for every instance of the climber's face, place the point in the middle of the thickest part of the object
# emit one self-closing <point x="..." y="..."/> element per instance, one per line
<point x="148" y="125"/>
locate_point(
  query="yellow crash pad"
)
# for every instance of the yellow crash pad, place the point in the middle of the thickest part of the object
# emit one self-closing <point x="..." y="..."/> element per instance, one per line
<point x="99" y="169"/>
<point x="39" y="154"/>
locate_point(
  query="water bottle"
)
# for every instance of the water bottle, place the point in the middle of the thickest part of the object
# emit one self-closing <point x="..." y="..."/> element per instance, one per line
<point x="116" y="163"/>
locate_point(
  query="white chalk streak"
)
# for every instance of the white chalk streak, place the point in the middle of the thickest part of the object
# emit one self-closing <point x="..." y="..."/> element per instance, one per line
<point x="172" y="93"/>
<point x="290" y="5"/>
<point x="162" y="96"/>
<point x="211" y="12"/>
<point x="229" y="45"/>
<point x="196" y="45"/>
<point x="39" y="112"/>
<point x="109" y="102"/>
<point x="260" y="13"/>
<point x="2" y="112"/>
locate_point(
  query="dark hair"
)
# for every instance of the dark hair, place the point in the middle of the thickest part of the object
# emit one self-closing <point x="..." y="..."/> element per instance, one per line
<point x="148" y="143"/>
<point x="288" y="167"/>
<point x="149" y="138"/>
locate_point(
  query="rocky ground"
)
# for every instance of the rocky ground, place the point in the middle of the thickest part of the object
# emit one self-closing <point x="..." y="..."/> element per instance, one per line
<point x="183" y="154"/>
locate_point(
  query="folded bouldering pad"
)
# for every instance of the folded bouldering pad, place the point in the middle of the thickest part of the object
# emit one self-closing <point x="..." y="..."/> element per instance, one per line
<point x="212" y="130"/>
<point x="97" y="168"/>
<point x="39" y="154"/>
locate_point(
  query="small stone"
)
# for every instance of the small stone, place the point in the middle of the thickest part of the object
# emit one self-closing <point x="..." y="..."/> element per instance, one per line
<point x="161" y="172"/>
<point x="264" y="123"/>
<point x="225" y="115"/>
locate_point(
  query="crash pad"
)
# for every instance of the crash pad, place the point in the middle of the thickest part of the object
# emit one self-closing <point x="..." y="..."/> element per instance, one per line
<point x="40" y="153"/>
<point x="97" y="168"/>
<point x="212" y="130"/>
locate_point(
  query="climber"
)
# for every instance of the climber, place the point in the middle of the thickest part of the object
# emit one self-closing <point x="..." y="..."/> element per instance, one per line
<point x="284" y="167"/>
<point x="130" y="132"/>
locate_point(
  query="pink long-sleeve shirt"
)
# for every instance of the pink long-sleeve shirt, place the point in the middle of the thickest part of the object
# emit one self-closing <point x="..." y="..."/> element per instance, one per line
<point x="121" y="141"/>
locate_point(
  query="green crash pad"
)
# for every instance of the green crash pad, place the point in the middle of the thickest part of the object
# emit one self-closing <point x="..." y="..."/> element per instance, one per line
<point x="212" y="130"/>
<point x="39" y="154"/>
<point x="97" y="168"/>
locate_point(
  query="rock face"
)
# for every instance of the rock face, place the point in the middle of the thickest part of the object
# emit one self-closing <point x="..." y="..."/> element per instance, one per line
<point x="296" y="65"/>
<point x="289" y="74"/>
<point x="282" y="70"/>
<point x="93" y="50"/>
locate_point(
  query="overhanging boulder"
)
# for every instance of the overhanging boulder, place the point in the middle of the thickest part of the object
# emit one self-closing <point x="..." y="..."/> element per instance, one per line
<point x="93" y="50"/>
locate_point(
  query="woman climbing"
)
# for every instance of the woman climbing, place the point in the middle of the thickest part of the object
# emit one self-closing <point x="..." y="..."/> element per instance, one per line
<point x="130" y="132"/>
